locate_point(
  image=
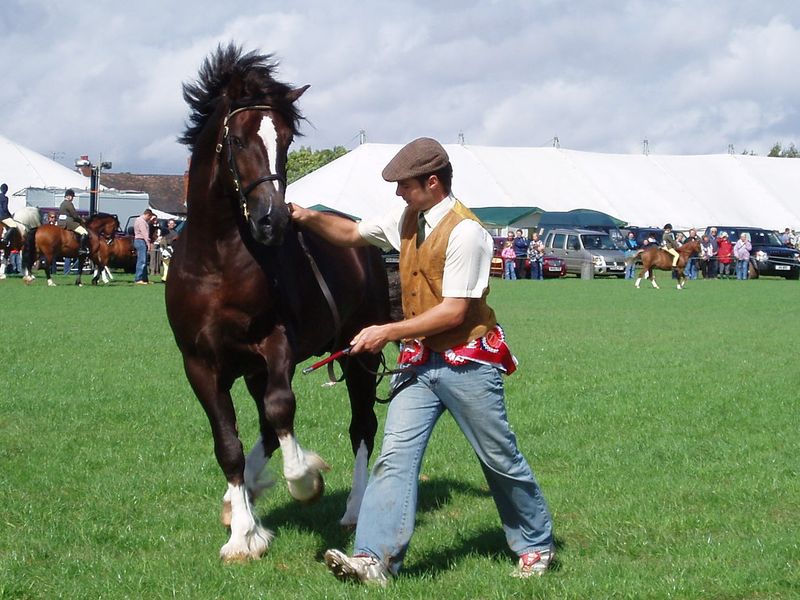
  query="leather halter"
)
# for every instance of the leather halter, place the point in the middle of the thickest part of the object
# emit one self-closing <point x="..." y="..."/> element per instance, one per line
<point x="237" y="180"/>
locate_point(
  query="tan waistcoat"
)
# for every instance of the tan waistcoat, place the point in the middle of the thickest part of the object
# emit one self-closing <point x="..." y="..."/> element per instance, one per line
<point x="421" y="274"/>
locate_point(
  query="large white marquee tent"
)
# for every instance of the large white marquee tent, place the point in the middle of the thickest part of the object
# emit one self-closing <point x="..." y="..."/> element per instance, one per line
<point x="22" y="168"/>
<point x="644" y="190"/>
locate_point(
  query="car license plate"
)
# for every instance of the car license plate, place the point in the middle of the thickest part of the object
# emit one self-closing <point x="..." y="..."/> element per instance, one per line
<point x="554" y="268"/>
<point x="782" y="267"/>
<point x="614" y="267"/>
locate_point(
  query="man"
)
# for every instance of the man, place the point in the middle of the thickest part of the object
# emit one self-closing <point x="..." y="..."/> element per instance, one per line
<point x="142" y="244"/>
<point x="521" y="251"/>
<point x="741" y="251"/>
<point x="5" y="216"/>
<point x="68" y="218"/>
<point x="631" y="247"/>
<point x="669" y="244"/>
<point x="454" y="351"/>
<point x="712" y="261"/>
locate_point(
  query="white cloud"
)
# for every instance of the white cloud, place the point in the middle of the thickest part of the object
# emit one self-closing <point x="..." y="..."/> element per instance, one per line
<point x="691" y="77"/>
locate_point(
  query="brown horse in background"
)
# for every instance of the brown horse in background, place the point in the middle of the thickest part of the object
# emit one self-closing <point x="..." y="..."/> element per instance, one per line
<point x="50" y="242"/>
<point x="654" y="257"/>
<point x="119" y="253"/>
<point x="243" y="299"/>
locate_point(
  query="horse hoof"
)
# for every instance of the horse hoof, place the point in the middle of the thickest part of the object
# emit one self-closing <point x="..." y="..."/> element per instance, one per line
<point x="51" y="283"/>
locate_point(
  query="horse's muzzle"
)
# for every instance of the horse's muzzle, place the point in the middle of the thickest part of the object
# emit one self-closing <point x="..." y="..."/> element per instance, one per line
<point x="268" y="226"/>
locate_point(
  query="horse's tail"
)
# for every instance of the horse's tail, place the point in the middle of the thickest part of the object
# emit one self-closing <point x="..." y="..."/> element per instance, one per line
<point x="29" y="249"/>
<point x="632" y="258"/>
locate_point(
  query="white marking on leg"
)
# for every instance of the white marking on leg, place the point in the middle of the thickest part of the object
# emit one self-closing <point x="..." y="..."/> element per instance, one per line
<point x="302" y="470"/>
<point x="256" y="476"/>
<point x="269" y="134"/>
<point x="248" y="538"/>
<point x="638" y="281"/>
<point x="360" y="476"/>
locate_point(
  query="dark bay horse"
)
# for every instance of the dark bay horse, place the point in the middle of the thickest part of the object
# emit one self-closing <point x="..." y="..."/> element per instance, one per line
<point x="50" y="242"/>
<point x="654" y="257"/>
<point x="242" y="297"/>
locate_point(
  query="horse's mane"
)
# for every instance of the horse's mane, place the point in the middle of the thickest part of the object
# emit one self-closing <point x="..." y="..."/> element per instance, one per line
<point x="244" y="79"/>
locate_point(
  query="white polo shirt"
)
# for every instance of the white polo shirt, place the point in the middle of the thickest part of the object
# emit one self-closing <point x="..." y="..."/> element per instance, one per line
<point x="469" y="249"/>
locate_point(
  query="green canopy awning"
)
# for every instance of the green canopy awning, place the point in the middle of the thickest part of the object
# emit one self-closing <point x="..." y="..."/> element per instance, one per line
<point x="505" y="216"/>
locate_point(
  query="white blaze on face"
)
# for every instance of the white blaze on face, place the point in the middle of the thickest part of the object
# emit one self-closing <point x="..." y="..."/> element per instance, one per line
<point x="269" y="134"/>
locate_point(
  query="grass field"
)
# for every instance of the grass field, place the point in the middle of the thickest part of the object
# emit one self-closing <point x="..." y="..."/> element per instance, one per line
<point x="661" y="424"/>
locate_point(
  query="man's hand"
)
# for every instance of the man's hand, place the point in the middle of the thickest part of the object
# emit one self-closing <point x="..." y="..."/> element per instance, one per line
<point x="298" y="213"/>
<point x="370" y="339"/>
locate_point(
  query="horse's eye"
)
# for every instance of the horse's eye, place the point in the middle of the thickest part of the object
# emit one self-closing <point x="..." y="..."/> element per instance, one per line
<point x="237" y="141"/>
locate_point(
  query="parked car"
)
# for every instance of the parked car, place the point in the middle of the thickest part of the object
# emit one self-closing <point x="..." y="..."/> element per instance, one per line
<point x="552" y="266"/>
<point x="642" y="233"/>
<point x="769" y="255"/>
<point x="579" y="247"/>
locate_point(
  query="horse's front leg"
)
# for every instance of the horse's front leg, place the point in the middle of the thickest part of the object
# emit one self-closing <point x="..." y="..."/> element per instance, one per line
<point x="643" y="274"/>
<point x="302" y="468"/>
<point x="248" y="538"/>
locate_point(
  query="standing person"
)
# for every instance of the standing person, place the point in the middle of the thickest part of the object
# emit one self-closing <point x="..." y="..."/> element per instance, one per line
<point x="165" y="241"/>
<point x="536" y="257"/>
<point x="68" y="218"/>
<point x="521" y="252"/>
<point x="509" y="260"/>
<point x="741" y="250"/>
<point x="706" y="256"/>
<point x="142" y="244"/>
<point x="448" y="325"/>
<point x="691" y="262"/>
<point x="724" y="255"/>
<point x="713" y="263"/>
<point x="631" y="246"/>
<point x="670" y="244"/>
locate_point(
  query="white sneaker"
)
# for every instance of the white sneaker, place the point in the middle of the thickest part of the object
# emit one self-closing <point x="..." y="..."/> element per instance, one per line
<point x="534" y="564"/>
<point x="361" y="569"/>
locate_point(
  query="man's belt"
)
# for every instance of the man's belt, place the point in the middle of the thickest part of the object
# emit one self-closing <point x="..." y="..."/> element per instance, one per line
<point x="491" y="349"/>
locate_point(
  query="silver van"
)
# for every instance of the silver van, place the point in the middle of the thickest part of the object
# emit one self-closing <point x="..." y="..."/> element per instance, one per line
<point x="583" y="247"/>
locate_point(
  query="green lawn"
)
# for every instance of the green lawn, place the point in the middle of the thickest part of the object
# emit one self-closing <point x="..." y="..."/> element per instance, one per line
<point x="661" y="424"/>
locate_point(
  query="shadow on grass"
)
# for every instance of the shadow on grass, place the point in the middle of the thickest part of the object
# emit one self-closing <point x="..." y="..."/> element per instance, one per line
<point x="322" y="519"/>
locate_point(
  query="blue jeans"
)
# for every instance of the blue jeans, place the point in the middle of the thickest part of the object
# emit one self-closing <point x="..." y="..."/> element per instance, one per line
<point x="691" y="269"/>
<point x="509" y="269"/>
<point x="473" y="393"/>
<point x="742" y="266"/>
<point x="536" y="269"/>
<point x="141" y="260"/>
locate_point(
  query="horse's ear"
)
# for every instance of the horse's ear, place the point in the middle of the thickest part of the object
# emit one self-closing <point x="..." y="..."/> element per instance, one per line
<point x="294" y="94"/>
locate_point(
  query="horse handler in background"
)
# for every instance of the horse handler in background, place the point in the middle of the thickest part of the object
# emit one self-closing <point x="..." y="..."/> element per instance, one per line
<point x="455" y="353"/>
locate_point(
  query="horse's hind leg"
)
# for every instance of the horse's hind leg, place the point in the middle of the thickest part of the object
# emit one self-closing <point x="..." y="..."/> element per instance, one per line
<point x="248" y="538"/>
<point x="363" y="426"/>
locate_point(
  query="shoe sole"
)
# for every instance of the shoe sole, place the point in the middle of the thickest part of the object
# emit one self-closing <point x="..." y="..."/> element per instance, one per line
<point x="337" y="564"/>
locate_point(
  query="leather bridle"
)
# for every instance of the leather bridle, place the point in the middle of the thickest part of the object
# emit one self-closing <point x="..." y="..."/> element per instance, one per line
<point x="227" y="141"/>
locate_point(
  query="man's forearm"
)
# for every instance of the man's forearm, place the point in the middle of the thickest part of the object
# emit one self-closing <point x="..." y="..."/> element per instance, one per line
<point x="335" y="229"/>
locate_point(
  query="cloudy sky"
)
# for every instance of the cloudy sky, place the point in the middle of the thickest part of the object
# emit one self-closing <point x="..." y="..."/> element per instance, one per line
<point x="104" y="78"/>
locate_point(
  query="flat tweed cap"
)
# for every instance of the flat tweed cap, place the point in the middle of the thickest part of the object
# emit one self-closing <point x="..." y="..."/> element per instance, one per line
<point x="420" y="157"/>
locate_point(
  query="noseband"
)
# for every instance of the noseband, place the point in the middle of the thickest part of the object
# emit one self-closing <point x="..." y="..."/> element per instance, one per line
<point x="237" y="182"/>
